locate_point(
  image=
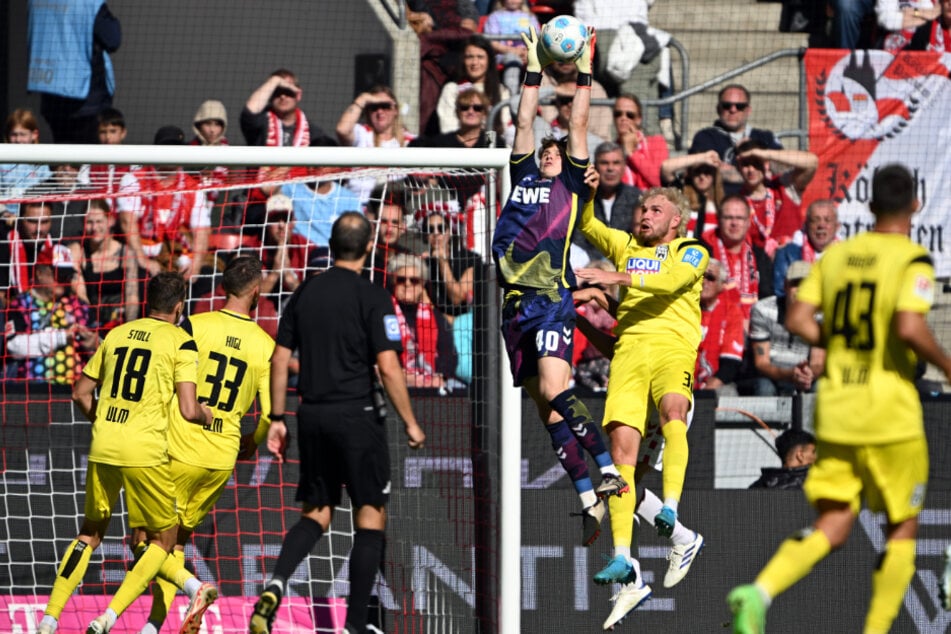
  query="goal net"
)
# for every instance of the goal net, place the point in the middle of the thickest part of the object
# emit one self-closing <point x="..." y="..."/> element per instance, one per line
<point x="105" y="222"/>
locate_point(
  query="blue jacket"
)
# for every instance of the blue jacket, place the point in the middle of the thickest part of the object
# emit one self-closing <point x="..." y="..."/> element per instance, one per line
<point x="63" y="40"/>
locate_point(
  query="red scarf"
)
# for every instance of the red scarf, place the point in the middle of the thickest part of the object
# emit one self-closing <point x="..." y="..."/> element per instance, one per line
<point x="275" y="130"/>
<point x="940" y="40"/>
<point x="19" y="266"/>
<point x="764" y="224"/>
<point x="744" y="278"/>
<point x="420" y="341"/>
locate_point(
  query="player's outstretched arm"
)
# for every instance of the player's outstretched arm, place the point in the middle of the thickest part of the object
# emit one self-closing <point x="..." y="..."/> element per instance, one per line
<point x="84" y="395"/>
<point x="391" y="374"/>
<point x="524" y="142"/>
<point x="581" y="105"/>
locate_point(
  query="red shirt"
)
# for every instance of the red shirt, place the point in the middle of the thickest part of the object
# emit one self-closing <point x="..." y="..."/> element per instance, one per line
<point x="722" y="329"/>
<point x="776" y="217"/>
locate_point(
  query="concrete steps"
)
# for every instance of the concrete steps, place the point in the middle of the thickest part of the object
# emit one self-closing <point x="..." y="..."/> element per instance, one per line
<point x="722" y="35"/>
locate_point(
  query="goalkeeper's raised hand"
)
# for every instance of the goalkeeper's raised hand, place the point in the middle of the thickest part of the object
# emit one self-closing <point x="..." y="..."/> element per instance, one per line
<point x="537" y="58"/>
<point x="584" y="63"/>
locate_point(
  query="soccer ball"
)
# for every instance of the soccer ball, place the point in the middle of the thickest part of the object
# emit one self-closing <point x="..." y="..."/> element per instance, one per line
<point x="564" y="38"/>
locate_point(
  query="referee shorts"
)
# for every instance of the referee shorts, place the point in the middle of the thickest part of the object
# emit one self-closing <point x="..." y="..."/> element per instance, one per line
<point x="534" y="326"/>
<point x="149" y="494"/>
<point x="342" y="443"/>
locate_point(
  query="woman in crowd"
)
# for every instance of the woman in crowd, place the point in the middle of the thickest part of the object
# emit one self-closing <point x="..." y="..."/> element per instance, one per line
<point x="429" y="356"/>
<point x="108" y="270"/>
<point x="478" y="71"/>
<point x="372" y="120"/>
<point x="16" y="178"/>
<point x="698" y="175"/>
<point x="643" y="155"/>
<point x="451" y="266"/>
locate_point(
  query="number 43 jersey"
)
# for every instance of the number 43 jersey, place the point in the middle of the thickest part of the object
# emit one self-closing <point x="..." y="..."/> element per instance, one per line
<point x="867" y="393"/>
<point x="234" y="366"/>
<point x="137" y="367"/>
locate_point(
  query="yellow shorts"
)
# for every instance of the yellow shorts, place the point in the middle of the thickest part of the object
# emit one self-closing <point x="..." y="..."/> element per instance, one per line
<point x="149" y="494"/>
<point x="892" y="477"/>
<point x="642" y="372"/>
<point x="197" y="490"/>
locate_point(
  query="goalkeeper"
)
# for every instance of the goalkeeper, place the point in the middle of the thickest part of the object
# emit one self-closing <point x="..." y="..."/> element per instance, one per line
<point x="234" y="365"/>
<point x="538" y="317"/>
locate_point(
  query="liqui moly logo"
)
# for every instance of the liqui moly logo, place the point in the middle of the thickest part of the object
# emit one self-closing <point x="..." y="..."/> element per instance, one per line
<point x="643" y="265"/>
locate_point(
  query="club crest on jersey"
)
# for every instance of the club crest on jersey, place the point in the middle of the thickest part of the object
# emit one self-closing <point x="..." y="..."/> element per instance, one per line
<point x="643" y="265"/>
<point x="661" y="252"/>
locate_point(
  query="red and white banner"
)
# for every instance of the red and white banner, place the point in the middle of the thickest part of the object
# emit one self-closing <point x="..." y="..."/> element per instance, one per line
<point x="871" y="108"/>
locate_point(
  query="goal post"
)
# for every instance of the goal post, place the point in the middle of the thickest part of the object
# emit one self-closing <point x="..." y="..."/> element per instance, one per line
<point x="468" y="478"/>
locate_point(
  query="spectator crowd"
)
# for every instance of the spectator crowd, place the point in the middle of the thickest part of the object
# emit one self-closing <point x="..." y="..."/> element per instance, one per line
<point x="80" y="241"/>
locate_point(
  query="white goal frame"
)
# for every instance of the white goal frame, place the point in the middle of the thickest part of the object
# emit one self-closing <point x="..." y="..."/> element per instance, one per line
<point x="509" y="613"/>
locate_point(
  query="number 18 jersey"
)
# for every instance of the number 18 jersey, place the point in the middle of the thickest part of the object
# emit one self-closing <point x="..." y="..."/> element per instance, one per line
<point x="867" y="393"/>
<point x="137" y="367"/>
<point x="234" y="365"/>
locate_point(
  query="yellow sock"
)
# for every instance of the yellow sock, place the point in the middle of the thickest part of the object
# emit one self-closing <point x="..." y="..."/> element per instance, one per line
<point x="676" y="454"/>
<point x="622" y="509"/>
<point x="138" y="578"/>
<point x="71" y="571"/>
<point x="793" y="561"/>
<point x="889" y="583"/>
<point x="166" y="585"/>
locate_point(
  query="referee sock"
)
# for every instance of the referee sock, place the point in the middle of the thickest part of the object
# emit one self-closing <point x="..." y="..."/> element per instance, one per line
<point x="571" y="456"/>
<point x="793" y="561"/>
<point x="622" y="512"/>
<point x="298" y="543"/>
<point x="896" y="567"/>
<point x="138" y="578"/>
<point x="579" y="421"/>
<point x="70" y="574"/>
<point x="676" y="454"/>
<point x="364" y="563"/>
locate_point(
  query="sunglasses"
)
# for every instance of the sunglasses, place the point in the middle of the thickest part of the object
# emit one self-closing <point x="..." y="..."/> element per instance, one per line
<point x="402" y="279"/>
<point x="710" y="277"/>
<point x="477" y="107"/>
<point x="386" y="105"/>
<point x="730" y="105"/>
<point x="284" y="92"/>
<point x="627" y="113"/>
<point x="436" y="228"/>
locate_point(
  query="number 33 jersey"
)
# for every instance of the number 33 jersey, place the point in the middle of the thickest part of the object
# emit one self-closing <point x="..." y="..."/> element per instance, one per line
<point x="234" y="366"/>
<point x="867" y="393"/>
<point x="137" y="367"/>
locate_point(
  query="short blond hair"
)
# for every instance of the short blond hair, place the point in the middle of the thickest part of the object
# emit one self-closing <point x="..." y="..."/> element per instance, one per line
<point x="677" y="199"/>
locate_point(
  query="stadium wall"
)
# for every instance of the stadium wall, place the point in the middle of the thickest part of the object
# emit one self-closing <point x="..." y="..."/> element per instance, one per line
<point x="175" y="54"/>
<point x="432" y="564"/>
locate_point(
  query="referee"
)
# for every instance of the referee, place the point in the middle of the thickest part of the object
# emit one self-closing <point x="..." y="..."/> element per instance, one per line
<point x="341" y="325"/>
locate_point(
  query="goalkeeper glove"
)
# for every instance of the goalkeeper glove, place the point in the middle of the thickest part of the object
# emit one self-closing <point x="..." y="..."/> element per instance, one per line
<point x="584" y="63"/>
<point x="536" y="57"/>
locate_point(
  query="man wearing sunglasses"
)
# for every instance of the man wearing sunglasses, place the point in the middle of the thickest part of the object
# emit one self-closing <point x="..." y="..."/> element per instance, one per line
<point x="271" y="116"/>
<point x="731" y="128"/>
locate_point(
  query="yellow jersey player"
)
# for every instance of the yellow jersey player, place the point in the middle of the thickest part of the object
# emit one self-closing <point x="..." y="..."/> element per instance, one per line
<point x="874" y="291"/>
<point x="658" y="333"/>
<point x="234" y="367"/>
<point x="138" y="371"/>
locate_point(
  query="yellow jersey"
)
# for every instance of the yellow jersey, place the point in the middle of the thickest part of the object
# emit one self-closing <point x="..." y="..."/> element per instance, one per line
<point x="867" y="394"/>
<point x="137" y="367"/>
<point x="666" y="280"/>
<point x="234" y="366"/>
